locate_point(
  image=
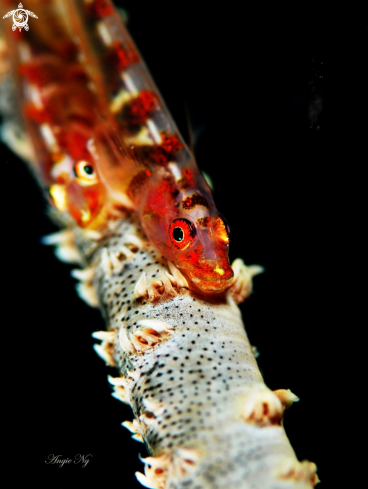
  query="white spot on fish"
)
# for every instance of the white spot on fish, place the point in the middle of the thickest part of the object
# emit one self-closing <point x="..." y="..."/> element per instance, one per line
<point x="104" y="33"/>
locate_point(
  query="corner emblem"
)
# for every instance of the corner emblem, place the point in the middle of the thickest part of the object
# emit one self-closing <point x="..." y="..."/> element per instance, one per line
<point x="20" y="17"/>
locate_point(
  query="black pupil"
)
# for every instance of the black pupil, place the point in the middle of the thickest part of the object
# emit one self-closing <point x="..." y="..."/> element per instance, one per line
<point x="88" y="169"/>
<point x="178" y="234"/>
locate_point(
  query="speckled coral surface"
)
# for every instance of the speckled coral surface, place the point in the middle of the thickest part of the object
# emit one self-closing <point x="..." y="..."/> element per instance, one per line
<point x="188" y="372"/>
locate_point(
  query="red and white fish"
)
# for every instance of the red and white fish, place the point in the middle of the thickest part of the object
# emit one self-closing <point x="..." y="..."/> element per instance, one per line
<point x="103" y="136"/>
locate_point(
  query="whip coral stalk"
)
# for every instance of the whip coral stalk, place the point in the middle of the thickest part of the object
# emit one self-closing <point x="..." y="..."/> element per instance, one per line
<point x="140" y="219"/>
<point x="186" y="368"/>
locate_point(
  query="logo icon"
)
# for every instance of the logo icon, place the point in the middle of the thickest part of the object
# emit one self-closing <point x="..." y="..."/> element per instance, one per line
<point x="20" y="17"/>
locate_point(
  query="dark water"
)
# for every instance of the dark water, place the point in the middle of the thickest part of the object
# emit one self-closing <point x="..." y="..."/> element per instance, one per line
<point x="279" y="100"/>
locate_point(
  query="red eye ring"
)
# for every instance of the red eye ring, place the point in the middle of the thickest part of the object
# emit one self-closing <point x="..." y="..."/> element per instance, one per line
<point x="182" y="233"/>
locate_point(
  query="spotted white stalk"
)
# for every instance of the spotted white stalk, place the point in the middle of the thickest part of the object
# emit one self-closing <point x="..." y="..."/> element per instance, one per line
<point x="186" y="368"/>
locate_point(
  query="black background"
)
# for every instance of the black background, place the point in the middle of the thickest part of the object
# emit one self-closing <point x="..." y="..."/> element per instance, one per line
<point x="296" y="199"/>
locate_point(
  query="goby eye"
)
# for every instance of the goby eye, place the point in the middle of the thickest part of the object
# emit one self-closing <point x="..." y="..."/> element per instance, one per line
<point x="85" y="173"/>
<point x="178" y="234"/>
<point x="182" y="233"/>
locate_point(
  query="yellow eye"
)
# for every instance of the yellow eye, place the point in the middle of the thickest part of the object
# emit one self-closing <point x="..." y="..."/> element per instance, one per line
<point x="85" y="173"/>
